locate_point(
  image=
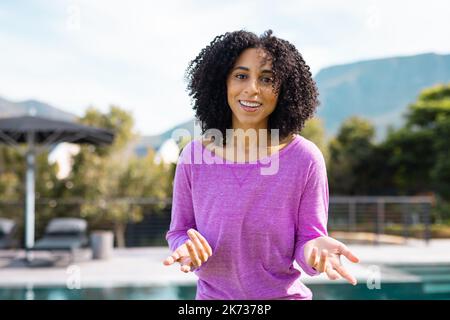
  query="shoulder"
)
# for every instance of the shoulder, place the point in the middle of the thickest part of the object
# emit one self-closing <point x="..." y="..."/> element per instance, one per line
<point x="311" y="161"/>
<point x="187" y="153"/>
<point x="308" y="151"/>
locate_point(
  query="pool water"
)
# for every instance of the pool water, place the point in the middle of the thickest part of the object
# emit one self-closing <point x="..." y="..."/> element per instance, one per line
<point x="107" y="293"/>
<point x="434" y="284"/>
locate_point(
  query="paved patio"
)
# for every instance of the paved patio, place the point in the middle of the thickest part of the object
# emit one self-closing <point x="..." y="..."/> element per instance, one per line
<point x="143" y="266"/>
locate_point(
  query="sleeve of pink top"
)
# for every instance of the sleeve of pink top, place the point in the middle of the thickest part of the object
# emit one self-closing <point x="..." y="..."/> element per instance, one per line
<point x="313" y="211"/>
<point x="182" y="215"/>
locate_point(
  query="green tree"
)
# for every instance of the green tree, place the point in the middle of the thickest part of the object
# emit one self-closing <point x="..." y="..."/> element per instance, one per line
<point x="12" y="185"/>
<point x="430" y="116"/>
<point x="350" y="154"/>
<point x="102" y="176"/>
<point x="409" y="157"/>
<point x="12" y="165"/>
<point x="315" y="131"/>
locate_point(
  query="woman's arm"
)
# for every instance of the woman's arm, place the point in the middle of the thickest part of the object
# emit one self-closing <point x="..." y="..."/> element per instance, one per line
<point x="182" y="216"/>
<point x="315" y="251"/>
<point x="188" y="246"/>
<point x="313" y="209"/>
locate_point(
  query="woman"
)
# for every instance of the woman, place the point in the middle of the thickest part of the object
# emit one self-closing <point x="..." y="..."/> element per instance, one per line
<point x="239" y="229"/>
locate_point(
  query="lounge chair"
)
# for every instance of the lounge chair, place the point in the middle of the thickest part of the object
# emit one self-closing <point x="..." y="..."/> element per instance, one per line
<point x="64" y="234"/>
<point x="7" y="231"/>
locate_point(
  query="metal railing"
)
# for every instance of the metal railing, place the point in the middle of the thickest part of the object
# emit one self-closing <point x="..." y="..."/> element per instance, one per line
<point x="381" y="215"/>
<point x="401" y="216"/>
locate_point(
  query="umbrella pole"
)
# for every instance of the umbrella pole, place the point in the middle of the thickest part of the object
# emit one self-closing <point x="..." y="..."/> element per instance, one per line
<point x="30" y="197"/>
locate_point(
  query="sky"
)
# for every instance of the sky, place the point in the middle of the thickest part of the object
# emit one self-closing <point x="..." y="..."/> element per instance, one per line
<point x="73" y="54"/>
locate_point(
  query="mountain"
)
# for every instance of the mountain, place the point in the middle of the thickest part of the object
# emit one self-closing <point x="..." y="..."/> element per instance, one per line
<point x="379" y="90"/>
<point x="156" y="141"/>
<point x="11" y="109"/>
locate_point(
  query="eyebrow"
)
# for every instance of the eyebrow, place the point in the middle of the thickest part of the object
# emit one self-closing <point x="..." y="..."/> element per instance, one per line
<point x="247" y="69"/>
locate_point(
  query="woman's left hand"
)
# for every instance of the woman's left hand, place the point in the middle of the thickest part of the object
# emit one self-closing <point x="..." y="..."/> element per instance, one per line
<point x="324" y="255"/>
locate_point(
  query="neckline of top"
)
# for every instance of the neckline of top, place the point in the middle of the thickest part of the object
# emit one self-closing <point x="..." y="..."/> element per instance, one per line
<point x="264" y="160"/>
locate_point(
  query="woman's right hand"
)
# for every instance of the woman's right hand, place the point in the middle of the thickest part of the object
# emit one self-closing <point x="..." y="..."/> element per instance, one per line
<point x="191" y="254"/>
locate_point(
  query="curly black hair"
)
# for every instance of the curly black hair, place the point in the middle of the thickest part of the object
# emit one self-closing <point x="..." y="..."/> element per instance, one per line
<point x="207" y="74"/>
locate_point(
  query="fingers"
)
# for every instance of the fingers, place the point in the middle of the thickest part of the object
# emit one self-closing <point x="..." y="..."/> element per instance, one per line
<point x="193" y="254"/>
<point x="323" y="265"/>
<point x="347" y="253"/>
<point x="345" y="274"/>
<point x="185" y="268"/>
<point x="203" y="241"/>
<point x="319" y="263"/>
<point x="331" y="273"/>
<point x="168" y="261"/>
<point x="171" y="259"/>
<point x="313" y="259"/>
<point x="330" y="263"/>
<point x="186" y="264"/>
<point x="199" y="246"/>
<point x="323" y="261"/>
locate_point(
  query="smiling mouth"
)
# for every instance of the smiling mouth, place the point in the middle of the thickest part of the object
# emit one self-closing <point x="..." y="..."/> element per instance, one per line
<point x="250" y="106"/>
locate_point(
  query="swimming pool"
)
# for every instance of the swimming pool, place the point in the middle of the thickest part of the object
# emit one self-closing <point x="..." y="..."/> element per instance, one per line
<point x="434" y="284"/>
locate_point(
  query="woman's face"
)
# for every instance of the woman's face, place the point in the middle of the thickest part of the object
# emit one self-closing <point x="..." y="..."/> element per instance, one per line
<point x="250" y="90"/>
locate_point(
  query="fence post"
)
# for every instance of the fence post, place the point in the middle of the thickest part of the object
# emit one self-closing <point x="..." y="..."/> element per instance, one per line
<point x="405" y="220"/>
<point x="352" y="215"/>
<point x="380" y="219"/>
<point x="426" y="221"/>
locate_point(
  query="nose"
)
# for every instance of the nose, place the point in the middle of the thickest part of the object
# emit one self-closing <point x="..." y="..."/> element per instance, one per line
<point x="252" y="87"/>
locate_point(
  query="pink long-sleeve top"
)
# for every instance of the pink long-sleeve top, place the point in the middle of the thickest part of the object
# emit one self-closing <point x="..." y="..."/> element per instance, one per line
<point x="256" y="223"/>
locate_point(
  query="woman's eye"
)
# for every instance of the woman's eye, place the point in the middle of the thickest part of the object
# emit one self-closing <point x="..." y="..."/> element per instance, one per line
<point x="267" y="80"/>
<point x="240" y="76"/>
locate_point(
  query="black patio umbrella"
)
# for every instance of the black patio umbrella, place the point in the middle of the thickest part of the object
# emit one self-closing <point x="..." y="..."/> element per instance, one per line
<point x="43" y="132"/>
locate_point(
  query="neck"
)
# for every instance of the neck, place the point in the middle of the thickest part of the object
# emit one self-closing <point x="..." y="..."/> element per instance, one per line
<point x="250" y="136"/>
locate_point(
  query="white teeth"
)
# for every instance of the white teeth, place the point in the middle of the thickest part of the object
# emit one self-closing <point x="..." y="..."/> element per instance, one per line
<point x="249" y="104"/>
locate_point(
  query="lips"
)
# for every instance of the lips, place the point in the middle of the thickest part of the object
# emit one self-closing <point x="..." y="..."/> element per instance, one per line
<point x="250" y="106"/>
